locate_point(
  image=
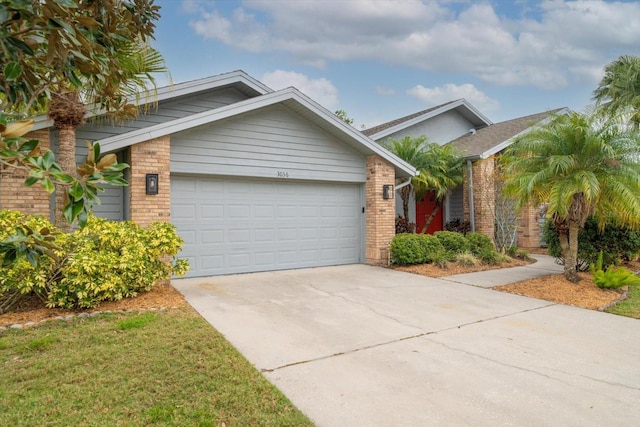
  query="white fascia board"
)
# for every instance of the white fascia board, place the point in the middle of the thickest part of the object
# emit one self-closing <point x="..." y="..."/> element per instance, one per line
<point x="476" y="112"/>
<point x="177" y="90"/>
<point x="194" y="86"/>
<point x="498" y="148"/>
<point x="451" y="106"/>
<point x="42" y="122"/>
<point x="207" y="117"/>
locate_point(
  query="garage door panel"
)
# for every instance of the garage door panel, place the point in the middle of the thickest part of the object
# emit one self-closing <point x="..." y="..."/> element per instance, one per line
<point x="236" y="225"/>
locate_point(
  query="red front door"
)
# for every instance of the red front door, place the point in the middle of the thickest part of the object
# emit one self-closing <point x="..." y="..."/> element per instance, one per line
<point x="424" y="208"/>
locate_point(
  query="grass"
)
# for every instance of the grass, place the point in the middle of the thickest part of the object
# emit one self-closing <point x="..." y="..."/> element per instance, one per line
<point x="629" y="307"/>
<point x="164" y="368"/>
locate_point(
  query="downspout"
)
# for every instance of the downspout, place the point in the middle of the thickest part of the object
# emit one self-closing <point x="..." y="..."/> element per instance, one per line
<point x="472" y="219"/>
<point x="404" y="184"/>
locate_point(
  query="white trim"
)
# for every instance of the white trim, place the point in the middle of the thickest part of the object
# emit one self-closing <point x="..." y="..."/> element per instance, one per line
<point x="447" y="107"/>
<point x="363" y="143"/>
<point x="177" y="90"/>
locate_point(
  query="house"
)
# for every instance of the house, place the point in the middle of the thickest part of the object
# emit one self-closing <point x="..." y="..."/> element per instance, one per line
<point x="479" y="141"/>
<point x="253" y="179"/>
<point x="441" y="124"/>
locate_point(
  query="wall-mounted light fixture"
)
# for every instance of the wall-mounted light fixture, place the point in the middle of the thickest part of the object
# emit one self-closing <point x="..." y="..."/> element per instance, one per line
<point x="387" y="191"/>
<point x="151" y="186"/>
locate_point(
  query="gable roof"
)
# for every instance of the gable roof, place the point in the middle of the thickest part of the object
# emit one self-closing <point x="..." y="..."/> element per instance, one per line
<point x="290" y="98"/>
<point x="238" y="79"/>
<point x="496" y="137"/>
<point x="462" y="106"/>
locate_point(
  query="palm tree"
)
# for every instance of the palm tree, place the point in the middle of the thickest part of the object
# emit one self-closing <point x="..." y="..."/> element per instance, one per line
<point x="137" y="61"/>
<point x="581" y="165"/>
<point x="412" y="151"/>
<point x="619" y="89"/>
<point x="441" y="173"/>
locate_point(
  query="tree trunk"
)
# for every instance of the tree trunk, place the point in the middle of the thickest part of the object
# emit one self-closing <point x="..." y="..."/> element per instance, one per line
<point x="405" y="193"/>
<point x="569" y="245"/>
<point x="67" y="161"/>
<point x="429" y="219"/>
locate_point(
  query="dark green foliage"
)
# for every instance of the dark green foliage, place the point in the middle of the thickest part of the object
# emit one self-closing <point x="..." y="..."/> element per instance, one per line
<point x="489" y="256"/>
<point x="407" y="249"/>
<point x="432" y="248"/>
<point x="618" y="244"/>
<point x="458" y="225"/>
<point x="453" y="242"/>
<point x="479" y="243"/>
<point x="404" y="226"/>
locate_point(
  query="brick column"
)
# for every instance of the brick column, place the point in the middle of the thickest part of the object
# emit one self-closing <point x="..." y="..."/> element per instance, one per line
<point x="15" y="196"/>
<point x="484" y="196"/>
<point x="150" y="157"/>
<point x="529" y="227"/>
<point x="380" y="213"/>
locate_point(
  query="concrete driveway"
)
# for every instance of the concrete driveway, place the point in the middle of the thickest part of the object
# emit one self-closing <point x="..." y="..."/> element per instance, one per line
<point x="364" y="346"/>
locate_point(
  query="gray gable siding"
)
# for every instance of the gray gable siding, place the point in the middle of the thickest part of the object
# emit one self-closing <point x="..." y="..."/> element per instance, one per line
<point x="165" y="111"/>
<point x="272" y="142"/>
<point x="441" y="129"/>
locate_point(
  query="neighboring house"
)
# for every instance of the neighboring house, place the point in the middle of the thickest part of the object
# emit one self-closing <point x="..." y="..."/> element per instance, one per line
<point x="253" y="179"/>
<point x="441" y="124"/>
<point x="479" y="141"/>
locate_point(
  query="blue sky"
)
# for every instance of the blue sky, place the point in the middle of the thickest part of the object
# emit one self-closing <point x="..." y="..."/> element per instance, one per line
<point x="382" y="59"/>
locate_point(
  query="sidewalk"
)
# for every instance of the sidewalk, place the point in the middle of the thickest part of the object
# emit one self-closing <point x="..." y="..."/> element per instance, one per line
<point x="545" y="265"/>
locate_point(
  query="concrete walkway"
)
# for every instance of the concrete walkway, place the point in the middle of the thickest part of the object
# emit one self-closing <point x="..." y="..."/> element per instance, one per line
<point x="363" y="346"/>
<point x="544" y="266"/>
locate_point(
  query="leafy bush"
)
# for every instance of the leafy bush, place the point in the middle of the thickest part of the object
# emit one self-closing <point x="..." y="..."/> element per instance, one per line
<point x="407" y="249"/>
<point x="24" y="271"/>
<point x="490" y="256"/>
<point x="404" y="226"/>
<point x="453" y="242"/>
<point x="433" y="249"/>
<point x="479" y="242"/>
<point x="618" y="244"/>
<point x="458" y="225"/>
<point x="614" y="277"/>
<point x="106" y="260"/>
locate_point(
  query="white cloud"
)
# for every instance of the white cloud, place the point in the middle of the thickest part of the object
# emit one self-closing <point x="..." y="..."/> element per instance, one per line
<point x="385" y="91"/>
<point x="320" y="90"/>
<point x="552" y="43"/>
<point x="451" y="92"/>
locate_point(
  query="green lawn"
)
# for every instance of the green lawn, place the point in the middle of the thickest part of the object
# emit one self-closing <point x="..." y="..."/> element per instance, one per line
<point x="167" y="368"/>
<point x="629" y="307"/>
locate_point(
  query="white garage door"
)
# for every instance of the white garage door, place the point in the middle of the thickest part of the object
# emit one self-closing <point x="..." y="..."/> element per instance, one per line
<point x="238" y="226"/>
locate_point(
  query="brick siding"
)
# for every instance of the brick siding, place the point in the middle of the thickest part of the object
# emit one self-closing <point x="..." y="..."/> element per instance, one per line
<point x="15" y="196"/>
<point x="380" y="213"/>
<point x="529" y="228"/>
<point x="151" y="156"/>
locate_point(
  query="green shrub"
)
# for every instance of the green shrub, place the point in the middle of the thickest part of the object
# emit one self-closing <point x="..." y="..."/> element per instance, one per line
<point x="479" y="243"/>
<point x="467" y="259"/>
<point x="614" y="277"/>
<point x="618" y="244"/>
<point x="28" y="272"/>
<point x="433" y="250"/>
<point x="407" y="249"/>
<point x="106" y="260"/>
<point x="490" y="256"/>
<point x="453" y="242"/>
